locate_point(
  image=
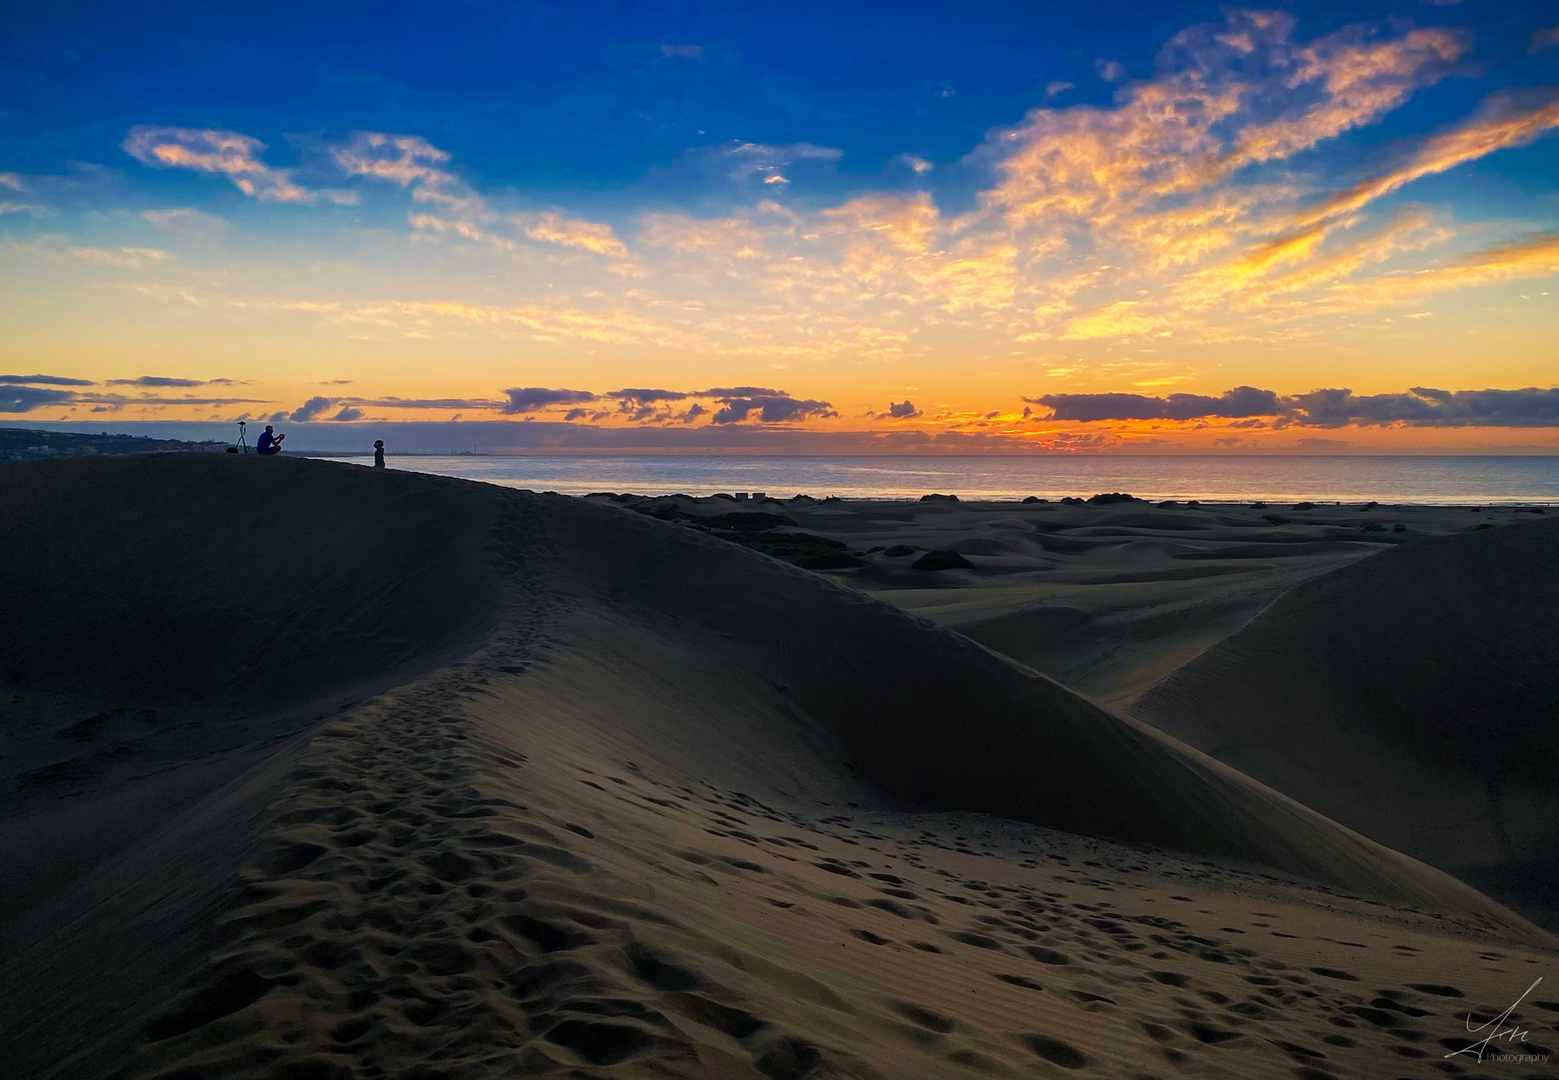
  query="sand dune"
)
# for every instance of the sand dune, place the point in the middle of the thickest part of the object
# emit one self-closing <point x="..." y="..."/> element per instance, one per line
<point x="935" y="718"/>
<point x="632" y="801"/>
<point x="1108" y="599"/>
<point x="1413" y="696"/>
<point x="164" y="610"/>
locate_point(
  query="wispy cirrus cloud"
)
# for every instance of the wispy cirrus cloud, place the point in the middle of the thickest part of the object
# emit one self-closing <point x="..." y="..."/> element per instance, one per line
<point x="551" y="228"/>
<point x="758" y="161"/>
<point x="711" y="238"/>
<point x="1181" y="194"/>
<point x="11" y="206"/>
<point x="417" y="165"/>
<point x="1226" y="96"/>
<point x="10" y="181"/>
<point x="1532" y="257"/>
<point x="184" y="219"/>
<point x="410" y="161"/>
<point x="238" y="157"/>
<point x="132" y="257"/>
<point x="1505" y="121"/>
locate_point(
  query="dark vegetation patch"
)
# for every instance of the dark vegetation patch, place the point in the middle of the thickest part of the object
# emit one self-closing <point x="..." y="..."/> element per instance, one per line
<point x="762" y="531"/>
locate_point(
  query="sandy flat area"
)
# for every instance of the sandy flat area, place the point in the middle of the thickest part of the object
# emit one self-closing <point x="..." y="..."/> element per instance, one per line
<point x="315" y="772"/>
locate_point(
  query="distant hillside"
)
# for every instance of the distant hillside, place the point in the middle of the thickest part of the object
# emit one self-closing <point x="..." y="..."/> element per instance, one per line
<point x="26" y="444"/>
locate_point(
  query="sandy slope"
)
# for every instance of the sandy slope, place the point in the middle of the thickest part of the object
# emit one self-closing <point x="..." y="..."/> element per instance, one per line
<point x="657" y="821"/>
<point x="1414" y="696"/>
<point x="175" y="610"/>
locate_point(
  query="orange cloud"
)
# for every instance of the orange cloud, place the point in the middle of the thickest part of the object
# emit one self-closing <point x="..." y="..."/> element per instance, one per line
<point x="553" y="228"/>
<point x="1503" y="125"/>
<point x="132" y="257"/>
<point x="238" y="157"/>
<point x="906" y="222"/>
<point x="1533" y="258"/>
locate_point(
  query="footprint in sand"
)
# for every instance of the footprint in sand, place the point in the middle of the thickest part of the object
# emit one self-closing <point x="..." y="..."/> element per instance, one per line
<point x="917" y="1014"/>
<point x="1055" y="1051"/>
<point x="1437" y="990"/>
<point x="1047" y="956"/>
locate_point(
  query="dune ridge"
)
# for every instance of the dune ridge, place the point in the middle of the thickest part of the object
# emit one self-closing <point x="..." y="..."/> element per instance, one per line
<point x="652" y="804"/>
<point x="933" y="716"/>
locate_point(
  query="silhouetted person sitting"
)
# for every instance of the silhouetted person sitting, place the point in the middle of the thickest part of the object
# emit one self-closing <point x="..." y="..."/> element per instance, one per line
<point x="378" y="453"/>
<point x="269" y="442"/>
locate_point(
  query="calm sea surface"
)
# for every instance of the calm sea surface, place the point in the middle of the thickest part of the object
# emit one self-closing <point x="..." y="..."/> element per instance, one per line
<point x="1346" y="479"/>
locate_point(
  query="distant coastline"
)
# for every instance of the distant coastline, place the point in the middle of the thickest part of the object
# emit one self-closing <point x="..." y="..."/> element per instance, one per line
<point x="31" y="444"/>
<point x="1444" y="481"/>
<point x="1469" y="480"/>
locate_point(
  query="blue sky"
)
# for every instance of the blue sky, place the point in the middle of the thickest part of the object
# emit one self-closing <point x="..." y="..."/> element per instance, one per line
<point x="594" y="102"/>
<point x="932" y="200"/>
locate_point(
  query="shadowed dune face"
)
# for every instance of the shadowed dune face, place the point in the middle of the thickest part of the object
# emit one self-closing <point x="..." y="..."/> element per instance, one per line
<point x="1413" y="696"/>
<point x="168" y="618"/>
<point x="934" y="718"/>
<point x="179" y="578"/>
<point x="1106" y="599"/>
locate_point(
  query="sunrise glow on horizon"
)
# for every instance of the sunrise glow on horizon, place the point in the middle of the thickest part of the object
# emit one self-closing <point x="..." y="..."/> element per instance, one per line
<point x="991" y="228"/>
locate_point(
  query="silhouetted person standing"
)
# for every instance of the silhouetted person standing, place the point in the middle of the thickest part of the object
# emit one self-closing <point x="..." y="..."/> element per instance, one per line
<point x="378" y="453"/>
<point x="269" y="442"/>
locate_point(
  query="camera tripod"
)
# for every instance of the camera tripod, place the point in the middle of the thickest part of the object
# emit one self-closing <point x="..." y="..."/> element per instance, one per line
<point x="242" y="446"/>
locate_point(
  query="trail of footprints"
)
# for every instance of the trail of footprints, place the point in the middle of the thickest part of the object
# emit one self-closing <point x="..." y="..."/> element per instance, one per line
<point x="1101" y="959"/>
<point x="403" y="924"/>
<point x="390" y="930"/>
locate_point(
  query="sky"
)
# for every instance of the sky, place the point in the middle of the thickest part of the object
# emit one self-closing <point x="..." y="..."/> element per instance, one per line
<point x="786" y="227"/>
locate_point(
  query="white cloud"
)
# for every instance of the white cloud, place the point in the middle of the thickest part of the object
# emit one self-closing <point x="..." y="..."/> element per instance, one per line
<point x="747" y="160"/>
<point x="184" y="220"/>
<point x="551" y="228"/>
<point x="412" y="162"/>
<point x="133" y="257"/>
<point x="226" y="153"/>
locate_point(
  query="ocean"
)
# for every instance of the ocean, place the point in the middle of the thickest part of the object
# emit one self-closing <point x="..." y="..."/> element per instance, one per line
<point x="1444" y="480"/>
